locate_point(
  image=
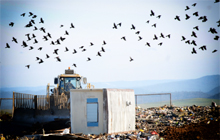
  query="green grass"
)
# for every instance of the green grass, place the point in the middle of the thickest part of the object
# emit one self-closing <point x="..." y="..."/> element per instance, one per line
<point x="183" y="102"/>
<point x="5" y="111"/>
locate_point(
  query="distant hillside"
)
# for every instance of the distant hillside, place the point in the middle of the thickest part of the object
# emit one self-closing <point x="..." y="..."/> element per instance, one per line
<point x="216" y="96"/>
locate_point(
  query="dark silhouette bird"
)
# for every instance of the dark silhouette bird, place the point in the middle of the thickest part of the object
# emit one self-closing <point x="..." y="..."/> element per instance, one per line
<point x="196" y="14"/>
<point x="66" y="33"/>
<point x="204" y="19"/>
<point x="99" y="54"/>
<point x="52" y="43"/>
<point x="37" y="58"/>
<point x="194" y="34"/>
<point x="214" y="51"/>
<point x="102" y="49"/>
<point x="33" y="36"/>
<point x="123" y="38"/>
<point x="30" y="14"/>
<point x="148" y="21"/>
<point x="45" y="38"/>
<point x="28" y="25"/>
<point x="56" y="51"/>
<point x="148" y="44"/>
<point x="7" y="45"/>
<point x="48" y="34"/>
<point x="74" y="65"/>
<point x="216" y="1"/>
<point x="177" y="18"/>
<point x="81" y="47"/>
<point x="159" y="16"/>
<point x="24" y="44"/>
<point x="155" y="37"/>
<point x="47" y="56"/>
<point x="28" y="66"/>
<point x="42" y="29"/>
<point x="203" y="48"/>
<point x="41" y="20"/>
<point x="132" y="27"/>
<point x="216" y="37"/>
<point x="139" y="38"/>
<point x="66" y="49"/>
<point x="183" y="38"/>
<point x="40" y="48"/>
<point x="138" y="32"/>
<point x="114" y="26"/>
<point x="213" y="31"/>
<point x="74" y="51"/>
<point x="23" y="14"/>
<point x="83" y="50"/>
<point x="194" y="51"/>
<point x="119" y="24"/>
<point x="154" y="25"/>
<point x="196" y="27"/>
<point x="200" y="18"/>
<point x="88" y="59"/>
<point x="35" y="28"/>
<point x="187" y="17"/>
<point x="131" y="59"/>
<point x="194" y="42"/>
<point x="151" y="13"/>
<point x="91" y="44"/>
<point x="62" y="38"/>
<point x="14" y="39"/>
<point x="72" y="26"/>
<point x="194" y="4"/>
<point x="11" y="24"/>
<point x="58" y="59"/>
<point x="41" y="61"/>
<point x="160" y="44"/>
<point x="187" y="8"/>
<point x="31" y="48"/>
<point x="35" y="41"/>
<point x="161" y="35"/>
<point x="188" y="41"/>
<point x="168" y="36"/>
<point x="61" y="26"/>
<point x="32" y="21"/>
<point x="104" y="43"/>
<point x="218" y="21"/>
<point x="34" y="16"/>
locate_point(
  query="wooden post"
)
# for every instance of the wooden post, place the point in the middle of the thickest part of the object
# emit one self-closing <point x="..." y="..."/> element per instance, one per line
<point x="170" y="100"/>
<point x="13" y="104"/>
<point x="35" y="105"/>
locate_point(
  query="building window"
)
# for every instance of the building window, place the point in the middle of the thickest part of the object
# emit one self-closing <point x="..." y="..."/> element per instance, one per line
<point x="92" y="112"/>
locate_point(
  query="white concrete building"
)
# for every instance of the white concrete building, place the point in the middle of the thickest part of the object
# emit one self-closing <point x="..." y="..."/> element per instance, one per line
<point x="95" y="111"/>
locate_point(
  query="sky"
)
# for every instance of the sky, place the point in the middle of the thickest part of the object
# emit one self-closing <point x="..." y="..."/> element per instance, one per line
<point x="93" y="22"/>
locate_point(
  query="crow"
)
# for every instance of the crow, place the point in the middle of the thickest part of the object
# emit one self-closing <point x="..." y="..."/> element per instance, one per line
<point x="188" y="41"/>
<point x="204" y="19"/>
<point x="196" y="27"/>
<point x="213" y="30"/>
<point x="11" y="24"/>
<point x="119" y="24"/>
<point x="40" y="48"/>
<point x="194" y="34"/>
<point x="7" y="46"/>
<point x="99" y="54"/>
<point x="155" y="37"/>
<point x="214" y="51"/>
<point x="74" y="51"/>
<point x="48" y="34"/>
<point x="74" y="65"/>
<point x="58" y="59"/>
<point x="41" y="61"/>
<point x="35" y="41"/>
<point x="216" y="37"/>
<point x="62" y="39"/>
<point x="187" y="8"/>
<point x="52" y="43"/>
<point x="33" y="36"/>
<point x="104" y="43"/>
<point x="66" y="33"/>
<point x="123" y="38"/>
<point x="81" y="47"/>
<point x="31" y="48"/>
<point x="193" y="51"/>
<point x="28" y="66"/>
<point x="71" y="26"/>
<point x="131" y="59"/>
<point x="160" y="43"/>
<point x="177" y="18"/>
<point x="14" y="39"/>
<point x="35" y="28"/>
<point x="159" y="16"/>
<point x="194" y="4"/>
<point x="194" y="42"/>
<point x="45" y="38"/>
<point x="138" y="32"/>
<point x="203" y="48"/>
<point x="47" y="56"/>
<point x="41" y="20"/>
<point x="148" y="21"/>
<point x="56" y="51"/>
<point x="32" y="21"/>
<point x="91" y="44"/>
<point x="37" y="58"/>
<point x="42" y="29"/>
<point x="187" y="17"/>
<point x="61" y="26"/>
<point x="139" y="38"/>
<point x="133" y="27"/>
<point x="83" y="50"/>
<point x="151" y="13"/>
<point x="24" y="44"/>
<point x="196" y="14"/>
<point x="23" y="14"/>
<point x="30" y="14"/>
<point x="161" y="35"/>
<point x="168" y="36"/>
<point x="183" y="38"/>
<point x="154" y="25"/>
<point x="114" y="26"/>
<point x="148" y="44"/>
<point x="66" y="49"/>
<point x="28" y="25"/>
<point x="102" y="50"/>
<point x="88" y="59"/>
<point x="34" y="16"/>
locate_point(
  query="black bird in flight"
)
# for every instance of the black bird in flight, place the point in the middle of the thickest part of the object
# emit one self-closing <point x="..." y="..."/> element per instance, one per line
<point x="41" y="20"/>
<point x="194" y="34"/>
<point x="41" y="61"/>
<point x="66" y="49"/>
<point x="66" y="33"/>
<point x="151" y="13"/>
<point x="47" y="56"/>
<point x="32" y="21"/>
<point x="14" y="39"/>
<point x="193" y="51"/>
<point x="83" y="50"/>
<point x="99" y="54"/>
<point x="91" y="44"/>
<point x="72" y="26"/>
<point x="114" y="26"/>
<point x="123" y="38"/>
<point x="74" y="65"/>
<point x="214" y="51"/>
<point x="28" y="25"/>
<point x="45" y="38"/>
<point x="159" y="16"/>
<point x="56" y="51"/>
<point x="24" y="44"/>
<point x="183" y="38"/>
<point x="30" y="14"/>
<point x="148" y="44"/>
<point x="196" y="14"/>
<point x="28" y="66"/>
<point x="81" y="47"/>
<point x="138" y="32"/>
<point x="188" y="41"/>
<point x="161" y="35"/>
<point x="104" y="43"/>
<point x="187" y="17"/>
<point x="196" y="27"/>
<point x="74" y="51"/>
<point x="160" y="43"/>
<point x="177" y="18"/>
<point x="155" y="37"/>
<point x="61" y="26"/>
<point x="131" y="59"/>
<point x="31" y="48"/>
<point x="194" y="42"/>
<point x="216" y="37"/>
<point x="88" y="59"/>
<point x="40" y="48"/>
<point x="52" y="43"/>
<point x="187" y="8"/>
<point x="154" y="25"/>
<point x="33" y="36"/>
<point x="7" y="46"/>
<point x="148" y="21"/>
<point x="35" y="41"/>
<point x="133" y="27"/>
<point x="168" y="36"/>
<point x="102" y="50"/>
<point x="35" y="28"/>
<point x="23" y="14"/>
<point x="213" y="31"/>
<point x="34" y="16"/>
<point x="48" y="34"/>
<point x="42" y="29"/>
<point x="11" y="24"/>
<point x="37" y="58"/>
<point x="200" y="18"/>
<point x="203" y="48"/>
<point x="217" y="1"/>
<point x="58" y="59"/>
<point x="119" y="24"/>
<point x="139" y="38"/>
<point x="62" y="38"/>
<point x="204" y="19"/>
<point x="194" y="4"/>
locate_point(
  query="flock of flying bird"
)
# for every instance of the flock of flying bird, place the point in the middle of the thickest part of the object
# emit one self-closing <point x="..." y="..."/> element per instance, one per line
<point x="48" y="37"/>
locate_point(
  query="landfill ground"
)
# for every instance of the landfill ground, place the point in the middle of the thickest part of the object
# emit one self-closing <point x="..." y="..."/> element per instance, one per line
<point x="170" y="123"/>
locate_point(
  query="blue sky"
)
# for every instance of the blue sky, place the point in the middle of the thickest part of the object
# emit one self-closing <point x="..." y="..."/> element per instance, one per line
<point x="93" y="21"/>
